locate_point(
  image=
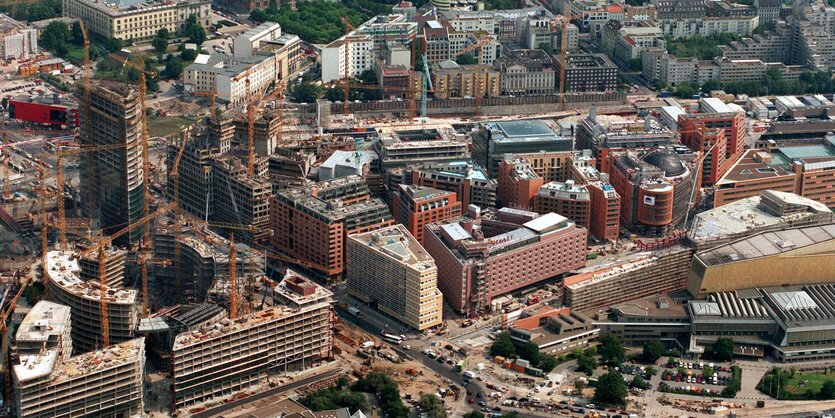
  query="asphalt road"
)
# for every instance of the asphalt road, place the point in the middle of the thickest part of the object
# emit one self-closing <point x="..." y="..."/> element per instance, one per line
<point x="261" y="395"/>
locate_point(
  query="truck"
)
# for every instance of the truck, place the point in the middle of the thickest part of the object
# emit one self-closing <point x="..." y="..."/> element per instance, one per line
<point x="469" y="374"/>
<point x="354" y="311"/>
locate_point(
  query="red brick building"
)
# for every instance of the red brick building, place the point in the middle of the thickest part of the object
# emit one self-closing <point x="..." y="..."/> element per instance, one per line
<point x="311" y="223"/>
<point x="698" y="133"/>
<point x="415" y="206"/>
<point x="518" y="184"/>
<point x="474" y="268"/>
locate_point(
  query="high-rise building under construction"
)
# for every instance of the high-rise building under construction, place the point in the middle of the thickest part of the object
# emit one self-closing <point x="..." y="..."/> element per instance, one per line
<point x="111" y="178"/>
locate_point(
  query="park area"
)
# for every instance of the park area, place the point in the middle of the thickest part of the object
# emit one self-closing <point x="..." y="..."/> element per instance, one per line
<point x="793" y="384"/>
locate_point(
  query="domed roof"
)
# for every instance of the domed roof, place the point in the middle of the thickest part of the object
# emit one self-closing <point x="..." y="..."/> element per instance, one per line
<point x="667" y="161"/>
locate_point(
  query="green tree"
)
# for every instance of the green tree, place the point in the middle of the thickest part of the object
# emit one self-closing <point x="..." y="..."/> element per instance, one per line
<point x="54" y="37"/>
<point x="368" y="76"/>
<point x="173" y="68"/>
<point x="611" y="349"/>
<point x="511" y="414"/>
<point x="163" y="33"/>
<point x="258" y="16"/>
<point x="431" y="406"/>
<point x="547" y="362"/>
<point x="586" y="364"/>
<point x="503" y="346"/>
<point x="188" y="55"/>
<point x="528" y="351"/>
<point x="828" y="389"/>
<point x="77" y="34"/>
<point x="707" y="371"/>
<point x="651" y="371"/>
<point x="5" y="103"/>
<point x="652" y="351"/>
<point x="464" y="59"/>
<point x="112" y="44"/>
<point x="723" y="349"/>
<point x="474" y="414"/>
<point x="547" y="48"/>
<point x="194" y="31"/>
<point x="711" y="85"/>
<point x="304" y="93"/>
<point x="132" y="74"/>
<point x="611" y="389"/>
<point x="686" y="90"/>
<point x="638" y="382"/>
<point x="159" y="44"/>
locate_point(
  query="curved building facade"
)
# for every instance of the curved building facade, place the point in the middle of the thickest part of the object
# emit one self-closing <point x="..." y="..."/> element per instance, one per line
<point x="84" y="299"/>
<point x="655" y="203"/>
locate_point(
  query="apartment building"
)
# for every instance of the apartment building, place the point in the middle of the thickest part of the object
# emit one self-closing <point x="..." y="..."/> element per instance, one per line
<point x="312" y="223"/>
<point x="589" y="72"/>
<point x="137" y="21"/>
<point x="106" y="382"/>
<point x="228" y="75"/>
<point x="541" y="30"/>
<point x="18" y="41"/>
<point x="390" y="269"/>
<point x="624" y="41"/>
<point x="454" y="80"/>
<point x="249" y="42"/>
<point x="518" y="184"/>
<point x="229" y="356"/>
<point x="567" y="199"/>
<point x="604" y="215"/>
<point x="112" y="180"/>
<point x="474" y="267"/>
<point x="415" y="206"/>
<point x="466" y="179"/>
<point x="66" y="288"/>
<point x="526" y="71"/>
<point x="360" y="57"/>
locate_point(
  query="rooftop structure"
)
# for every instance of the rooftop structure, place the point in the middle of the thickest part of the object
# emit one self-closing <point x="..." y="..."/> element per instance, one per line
<point x="45" y="327"/>
<point x="559" y="334"/>
<point x="514" y="137"/>
<point x="106" y="381"/>
<point x="589" y="72"/>
<point x="83" y="298"/>
<point x="403" y="277"/>
<point x="398" y="147"/>
<point x="604" y="133"/>
<point x="464" y="177"/>
<point x="346" y="163"/>
<point x="771" y="210"/>
<point x="119" y="19"/>
<point x="791" y="256"/>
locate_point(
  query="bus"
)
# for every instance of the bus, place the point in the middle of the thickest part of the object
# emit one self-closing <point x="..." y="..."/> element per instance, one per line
<point x="394" y="339"/>
<point x="354" y="311"/>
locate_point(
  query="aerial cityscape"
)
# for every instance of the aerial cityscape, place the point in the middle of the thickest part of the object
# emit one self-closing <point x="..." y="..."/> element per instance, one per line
<point x="417" y="209"/>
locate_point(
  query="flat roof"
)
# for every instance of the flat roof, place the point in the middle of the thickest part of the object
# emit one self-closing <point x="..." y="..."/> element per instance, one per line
<point x="64" y="271"/>
<point x="396" y="242"/>
<point x="767" y="244"/>
<point x="546" y="223"/>
<point x="47" y="364"/>
<point x="43" y="320"/>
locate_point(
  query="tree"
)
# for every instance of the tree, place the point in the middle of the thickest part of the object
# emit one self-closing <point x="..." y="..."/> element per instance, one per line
<point x="511" y="414"/>
<point x="173" y="68"/>
<point x="163" y="33"/>
<point x="77" y="34"/>
<point x="707" y="371"/>
<point x="711" y="85"/>
<point x="723" y="349"/>
<point x="54" y="37"/>
<point x="132" y="74"/>
<point x="431" y="406"/>
<point x="188" y="55"/>
<point x="586" y="364"/>
<point x="638" y="382"/>
<point x="547" y="362"/>
<point x="828" y="389"/>
<point x="5" y="103"/>
<point x="368" y="76"/>
<point x="194" y="31"/>
<point x="304" y="93"/>
<point x="419" y="62"/>
<point x="112" y="44"/>
<point x="503" y="346"/>
<point x="611" y="389"/>
<point x="650" y="371"/>
<point x="258" y="16"/>
<point x="529" y="351"/>
<point x="611" y="349"/>
<point x="159" y="44"/>
<point x="464" y="59"/>
<point x="474" y="414"/>
<point x="545" y="46"/>
<point x="653" y="351"/>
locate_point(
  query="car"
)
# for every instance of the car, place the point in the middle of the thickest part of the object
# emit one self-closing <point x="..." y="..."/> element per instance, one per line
<point x="470" y="400"/>
<point x="482" y="403"/>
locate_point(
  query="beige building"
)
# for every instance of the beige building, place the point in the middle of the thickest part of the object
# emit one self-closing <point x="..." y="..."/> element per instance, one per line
<point x="103" y="383"/>
<point x="454" y="80"/>
<point x="231" y="356"/>
<point x="390" y="268"/>
<point x="137" y="20"/>
<point x="789" y="257"/>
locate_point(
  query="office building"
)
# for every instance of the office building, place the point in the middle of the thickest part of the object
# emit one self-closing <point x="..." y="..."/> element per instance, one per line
<point x="111" y="180"/>
<point x="227" y="75"/>
<point x="624" y="41"/>
<point x="589" y="72"/>
<point x="699" y="133"/>
<point x="312" y="223"/>
<point x="567" y="199"/>
<point x="771" y="210"/>
<point x="794" y="256"/>
<point x="466" y="179"/>
<point x="526" y="71"/>
<point x="415" y="206"/>
<point x="495" y="139"/>
<point x="637" y="276"/>
<point x="106" y="382"/>
<point x="137" y="21"/>
<point x="19" y="42"/>
<point x="518" y="184"/>
<point x="84" y="299"/>
<point x="389" y="268"/>
<point x="559" y="334"/>
<point x="663" y="318"/>
<point x="229" y="356"/>
<point x="249" y="42"/>
<point x="402" y="147"/>
<point x="606" y="133"/>
<point x="474" y="267"/>
<point x="807" y="170"/>
<point x="547" y="30"/>
<point x="45" y="328"/>
<point x="656" y="187"/>
<point x="454" y="80"/>
<point x="348" y="163"/>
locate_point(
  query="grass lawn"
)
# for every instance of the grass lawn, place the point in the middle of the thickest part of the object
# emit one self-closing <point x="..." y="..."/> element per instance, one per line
<point x="805" y="381"/>
<point x="166" y="125"/>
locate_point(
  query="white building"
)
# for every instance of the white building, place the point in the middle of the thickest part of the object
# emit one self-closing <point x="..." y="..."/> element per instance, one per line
<point x="250" y="41"/>
<point x="227" y="75"/>
<point x="360" y="57"/>
<point x="137" y="19"/>
<point x="18" y="40"/>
